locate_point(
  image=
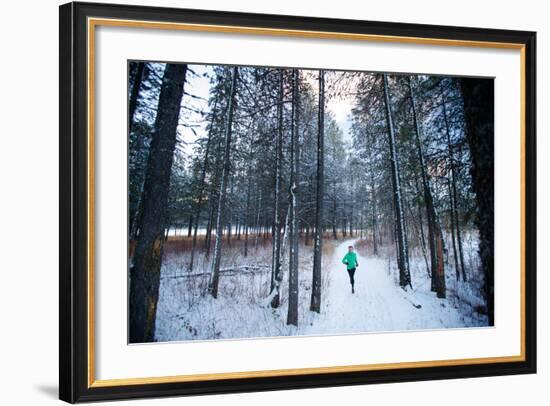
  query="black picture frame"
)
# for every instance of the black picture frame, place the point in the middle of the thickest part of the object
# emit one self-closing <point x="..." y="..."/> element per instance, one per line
<point x="74" y="384"/>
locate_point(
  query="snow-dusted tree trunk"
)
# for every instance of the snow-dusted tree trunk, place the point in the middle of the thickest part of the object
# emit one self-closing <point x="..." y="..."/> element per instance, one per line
<point x="419" y="208"/>
<point x="145" y="268"/>
<point x="246" y="214"/>
<point x="249" y="169"/>
<point x="435" y="236"/>
<point x="214" y="282"/>
<point x="208" y="239"/>
<point x="230" y="215"/>
<point x="422" y="238"/>
<point x="292" y="317"/>
<point x="140" y="75"/>
<point x="374" y="215"/>
<point x="403" y="256"/>
<point x="334" y="202"/>
<point x="459" y="262"/>
<point x="453" y="229"/>
<point x="318" y="249"/>
<point x="351" y="200"/>
<point x="214" y="192"/>
<point x="258" y="212"/>
<point x="284" y="239"/>
<point x="200" y="197"/>
<point x="134" y="93"/>
<point x="276" y="261"/>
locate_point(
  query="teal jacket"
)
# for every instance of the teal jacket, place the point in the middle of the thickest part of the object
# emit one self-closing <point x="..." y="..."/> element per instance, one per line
<point x="350" y="259"/>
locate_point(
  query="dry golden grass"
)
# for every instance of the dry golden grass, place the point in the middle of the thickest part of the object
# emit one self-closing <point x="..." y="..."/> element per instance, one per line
<point x="175" y="245"/>
<point x="185" y="243"/>
<point x="363" y="247"/>
<point x="328" y="247"/>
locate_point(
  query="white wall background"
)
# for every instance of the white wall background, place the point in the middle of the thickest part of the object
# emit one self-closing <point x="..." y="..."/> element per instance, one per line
<point x="29" y="203"/>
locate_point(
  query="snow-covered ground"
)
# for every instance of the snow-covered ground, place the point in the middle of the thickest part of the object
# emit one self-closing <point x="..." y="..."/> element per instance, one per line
<point x="379" y="304"/>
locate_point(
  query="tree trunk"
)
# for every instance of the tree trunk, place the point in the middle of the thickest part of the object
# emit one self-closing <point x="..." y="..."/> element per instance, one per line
<point x="361" y="223"/>
<point x="230" y="216"/>
<point x="435" y="235"/>
<point x="198" y="205"/>
<point x="137" y="218"/>
<point x="140" y="74"/>
<point x="215" y="186"/>
<point x="247" y="216"/>
<point x="374" y="217"/>
<point x="403" y="258"/>
<point x="421" y="227"/>
<point x="334" y="233"/>
<point x="190" y="226"/>
<point x="344" y="226"/>
<point x="292" y="317"/>
<point x="276" y="274"/>
<point x="318" y="248"/>
<point x="257" y="228"/>
<point x="134" y="94"/>
<point x="208" y="237"/>
<point x="423" y="240"/>
<point x="478" y="97"/>
<point x="145" y="269"/>
<point x="453" y="228"/>
<point x="214" y="282"/>
<point x="352" y="203"/>
<point x="459" y="261"/>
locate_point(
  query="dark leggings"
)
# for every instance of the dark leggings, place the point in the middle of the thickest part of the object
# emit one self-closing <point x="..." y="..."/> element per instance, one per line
<point x="351" y="273"/>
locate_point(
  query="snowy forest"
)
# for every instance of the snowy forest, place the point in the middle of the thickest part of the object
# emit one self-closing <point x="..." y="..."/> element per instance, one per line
<point x="247" y="185"/>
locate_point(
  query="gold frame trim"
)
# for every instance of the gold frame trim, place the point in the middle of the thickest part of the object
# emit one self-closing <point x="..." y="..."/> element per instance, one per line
<point x="92" y="23"/>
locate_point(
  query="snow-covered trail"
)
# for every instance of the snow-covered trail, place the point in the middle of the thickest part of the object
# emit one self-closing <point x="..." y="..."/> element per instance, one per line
<point x="378" y="304"/>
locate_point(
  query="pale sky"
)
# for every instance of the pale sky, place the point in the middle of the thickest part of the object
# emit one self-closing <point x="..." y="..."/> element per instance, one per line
<point x="341" y="110"/>
<point x="199" y="85"/>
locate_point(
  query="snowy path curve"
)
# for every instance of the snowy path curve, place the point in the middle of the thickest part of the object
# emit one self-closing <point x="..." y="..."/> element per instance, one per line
<point x="378" y="304"/>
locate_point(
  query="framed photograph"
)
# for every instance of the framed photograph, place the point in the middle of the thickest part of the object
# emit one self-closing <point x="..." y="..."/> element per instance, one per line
<point x="256" y="202"/>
